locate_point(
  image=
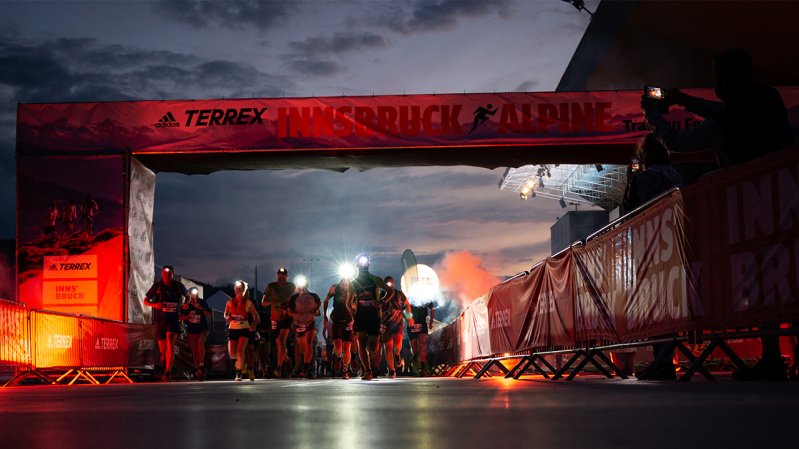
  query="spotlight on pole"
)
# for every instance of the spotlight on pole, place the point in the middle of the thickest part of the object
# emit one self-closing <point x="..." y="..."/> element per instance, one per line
<point x="599" y="167"/>
<point x="562" y="203"/>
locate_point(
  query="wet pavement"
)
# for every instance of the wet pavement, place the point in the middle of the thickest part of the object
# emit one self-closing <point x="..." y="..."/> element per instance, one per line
<point x="402" y="413"/>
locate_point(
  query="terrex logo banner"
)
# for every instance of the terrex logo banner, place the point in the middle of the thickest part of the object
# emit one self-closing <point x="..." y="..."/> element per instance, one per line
<point x="70" y="267"/>
<point x="214" y="117"/>
<point x="348" y="123"/>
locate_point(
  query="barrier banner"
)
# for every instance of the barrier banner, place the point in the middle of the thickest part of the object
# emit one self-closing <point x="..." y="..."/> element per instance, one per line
<point x="554" y="310"/>
<point x="57" y="340"/>
<point x="479" y="120"/>
<point x="14" y="334"/>
<point x="142" y="347"/>
<point x="442" y="345"/>
<point x="481" y="335"/>
<point x="744" y="236"/>
<point x="104" y="343"/>
<point x="140" y="241"/>
<point x="509" y="313"/>
<point x="659" y="300"/>
<point x="595" y="295"/>
<point x="70" y="234"/>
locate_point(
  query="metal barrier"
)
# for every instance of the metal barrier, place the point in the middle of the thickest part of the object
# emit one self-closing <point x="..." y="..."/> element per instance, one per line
<point x="54" y="348"/>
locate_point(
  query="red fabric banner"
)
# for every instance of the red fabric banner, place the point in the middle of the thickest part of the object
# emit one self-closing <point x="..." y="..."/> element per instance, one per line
<point x="555" y="309"/>
<point x="744" y="237"/>
<point x="390" y="121"/>
<point x="509" y="313"/>
<point x="104" y="343"/>
<point x="595" y="295"/>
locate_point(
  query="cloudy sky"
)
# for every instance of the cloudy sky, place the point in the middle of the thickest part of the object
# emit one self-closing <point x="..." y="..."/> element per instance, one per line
<point x="219" y="227"/>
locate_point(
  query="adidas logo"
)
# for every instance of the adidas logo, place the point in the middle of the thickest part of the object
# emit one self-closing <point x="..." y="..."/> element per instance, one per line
<point x="53" y="267"/>
<point x="167" y="121"/>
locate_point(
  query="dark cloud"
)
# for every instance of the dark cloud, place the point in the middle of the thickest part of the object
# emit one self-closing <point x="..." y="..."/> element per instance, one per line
<point x="86" y="70"/>
<point x="527" y="86"/>
<point x="436" y="15"/>
<point x="262" y="15"/>
<point x="339" y="43"/>
<point x="310" y="57"/>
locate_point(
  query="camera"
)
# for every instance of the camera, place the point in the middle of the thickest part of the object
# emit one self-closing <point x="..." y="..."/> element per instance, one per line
<point x="635" y="165"/>
<point x="655" y="93"/>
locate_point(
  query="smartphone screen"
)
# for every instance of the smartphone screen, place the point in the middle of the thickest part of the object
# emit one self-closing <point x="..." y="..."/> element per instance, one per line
<point x="654" y="92"/>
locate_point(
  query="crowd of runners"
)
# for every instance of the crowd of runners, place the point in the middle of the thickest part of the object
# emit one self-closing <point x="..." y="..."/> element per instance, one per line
<point x="368" y="317"/>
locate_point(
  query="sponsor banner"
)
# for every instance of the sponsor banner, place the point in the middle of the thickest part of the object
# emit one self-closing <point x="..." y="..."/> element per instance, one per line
<point x="143" y="347"/>
<point x="390" y="121"/>
<point x="14" y="334"/>
<point x="57" y="342"/>
<point x="481" y="336"/>
<point x="104" y="344"/>
<point x="657" y="300"/>
<point x="70" y="228"/>
<point x="509" y="312"/>
<point x="70" y="267"/>
<point x="65" y="293"/>
<point x="744" y="240"/>
<point x="140" y="240"/>
<point x="553" y="312"/>
<point x="595" y="292"/>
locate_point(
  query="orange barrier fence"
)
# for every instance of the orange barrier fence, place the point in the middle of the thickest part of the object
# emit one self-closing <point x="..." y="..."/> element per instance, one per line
<point x="55" y="347"/>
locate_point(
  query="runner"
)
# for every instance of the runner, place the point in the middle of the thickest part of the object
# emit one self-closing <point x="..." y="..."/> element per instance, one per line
<point x="164" y="297"/>
<point x="364" y="299"/>
<point x="417" y="333"/>
<point x="303" y="307"/>
<point x="276" y="296"/>
<point x="241" y="316"/>
<point x="341" y="331"/>
<point x="196" y="313"/>
<point x="395" y="307"/>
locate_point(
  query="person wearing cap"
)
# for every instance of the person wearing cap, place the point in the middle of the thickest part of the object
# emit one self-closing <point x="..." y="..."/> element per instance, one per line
<point x="242" y="318"/>
<point x="303" y="307"/>
<point x="341" y="326"/>
<point x="364" y="300"/>
<point x="165" y="296"/>
<point x="394" y="308"/>
<point x="276" y="296"/>
<point x="195" y="313"/>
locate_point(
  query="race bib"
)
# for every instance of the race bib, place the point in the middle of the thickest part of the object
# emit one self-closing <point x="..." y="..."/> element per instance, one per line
<point x="194" y="318"/>
<point x="416" y="328"/>
<point x="300" y="327"/>
<point x="274" y="325"/>
<point x="169" y="307"/>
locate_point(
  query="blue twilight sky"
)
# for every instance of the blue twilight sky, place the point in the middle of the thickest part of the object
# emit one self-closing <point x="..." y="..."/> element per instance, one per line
<point x="218" y="227"/>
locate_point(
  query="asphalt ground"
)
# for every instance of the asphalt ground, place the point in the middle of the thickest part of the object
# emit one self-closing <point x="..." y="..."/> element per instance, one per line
<point x="590" y="412"/>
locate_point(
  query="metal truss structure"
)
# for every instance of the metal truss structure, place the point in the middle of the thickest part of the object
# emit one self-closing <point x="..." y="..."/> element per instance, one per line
<point x="597" y="185"/>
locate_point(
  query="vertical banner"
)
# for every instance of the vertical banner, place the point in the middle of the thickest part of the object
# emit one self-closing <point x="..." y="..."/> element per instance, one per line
<point x="140" y="240"/>
<point x="468" y="343"/>
<point x="70" y="217"/>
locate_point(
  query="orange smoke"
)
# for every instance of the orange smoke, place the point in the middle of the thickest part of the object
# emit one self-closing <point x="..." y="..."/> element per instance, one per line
<point x="463" y="276"/>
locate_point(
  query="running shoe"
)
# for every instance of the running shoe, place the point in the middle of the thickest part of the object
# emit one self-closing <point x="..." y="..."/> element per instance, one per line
<point x="238" y="376"/>
<point x="367" y="375"/>
<point x="251" y="373"/>
<point x="392" y="374"/>
<point x="345" y="373"/>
